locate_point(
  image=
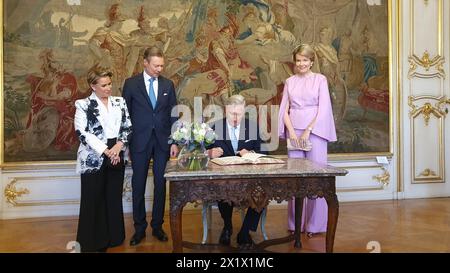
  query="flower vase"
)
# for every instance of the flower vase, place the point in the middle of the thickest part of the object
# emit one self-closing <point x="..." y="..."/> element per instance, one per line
<point x="193" y="159"/>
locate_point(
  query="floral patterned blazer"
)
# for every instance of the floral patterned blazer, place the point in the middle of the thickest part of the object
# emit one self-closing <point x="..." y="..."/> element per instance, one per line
<point x="88" y="127"/>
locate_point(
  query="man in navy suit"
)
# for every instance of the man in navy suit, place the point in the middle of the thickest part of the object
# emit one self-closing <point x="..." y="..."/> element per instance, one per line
<point x="236" y="135"/>
<point x="150" y="99"/>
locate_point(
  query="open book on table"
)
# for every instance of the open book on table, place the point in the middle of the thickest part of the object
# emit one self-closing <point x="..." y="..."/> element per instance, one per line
<point x="248" y="158"/>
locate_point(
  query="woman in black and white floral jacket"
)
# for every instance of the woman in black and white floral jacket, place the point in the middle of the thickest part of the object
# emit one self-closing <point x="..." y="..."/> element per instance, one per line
<point x="103" y="126"/>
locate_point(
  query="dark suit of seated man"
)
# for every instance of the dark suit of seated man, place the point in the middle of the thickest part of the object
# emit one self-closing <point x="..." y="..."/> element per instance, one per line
<point x="236" y="136"/>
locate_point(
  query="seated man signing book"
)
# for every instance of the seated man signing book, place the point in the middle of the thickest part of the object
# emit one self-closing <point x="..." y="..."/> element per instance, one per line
<point x="236" y="135"/>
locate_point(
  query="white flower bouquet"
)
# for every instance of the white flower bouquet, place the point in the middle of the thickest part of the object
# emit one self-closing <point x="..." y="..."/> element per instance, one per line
<point x="194" y="137"/>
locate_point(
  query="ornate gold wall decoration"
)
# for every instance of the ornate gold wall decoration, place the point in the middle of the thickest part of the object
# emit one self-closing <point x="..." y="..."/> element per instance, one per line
<point x="11" y="192"/>
<point x="440" y="68"/>
<point x="427" y="63"/>
<point x="430" y="106"/>
<point x="427" y="109"/>
<point x="366" y="169"/>
<point x="383" y="178"/>
<point x="443" y="101"/>
<point x="432" y="66"/>
<point x="428" y="172"/>
<point x="412" y="68"/>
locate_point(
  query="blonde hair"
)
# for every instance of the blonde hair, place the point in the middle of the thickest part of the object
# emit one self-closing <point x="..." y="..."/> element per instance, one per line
<point x="96" y="73"/>
<point x="304" y="50"/>
<point x="235" y="100"/>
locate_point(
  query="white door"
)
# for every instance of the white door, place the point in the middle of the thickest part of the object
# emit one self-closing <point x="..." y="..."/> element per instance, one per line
<point x="425" y="94"/>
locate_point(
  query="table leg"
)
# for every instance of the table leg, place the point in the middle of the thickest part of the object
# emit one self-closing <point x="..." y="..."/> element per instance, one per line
<point x="333" y="213"/>
<point x="176" y="230"/>
<point x="176" y="213"/>
<point x="298" y="222"/>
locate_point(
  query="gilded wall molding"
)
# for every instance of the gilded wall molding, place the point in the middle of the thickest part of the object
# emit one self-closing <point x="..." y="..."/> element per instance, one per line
<point x="437" y="62"/>
<point x="428" y="173"/>
<point x="442" y="101"/>
<point x="360" y="189"/>
<point x="433" y="106"/>
<point x="12" y="193"/>
<point x="432" y="67"/>
<point x="399" y="115"/>
<point x="428" y="109"/>
<point x="383" y="178"/>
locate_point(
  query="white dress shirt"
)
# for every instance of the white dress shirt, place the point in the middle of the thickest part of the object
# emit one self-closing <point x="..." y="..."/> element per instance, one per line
<point x="236" y="131"/>
<point x="147" y="82"/>
<point x="110" y="121"/>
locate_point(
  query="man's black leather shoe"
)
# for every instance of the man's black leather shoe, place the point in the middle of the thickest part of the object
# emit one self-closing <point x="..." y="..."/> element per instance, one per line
<point x="225" y="237"/>
<point x="245" y="241"/>
<point x="137" y="238"/>
<point x="160" y="234"/>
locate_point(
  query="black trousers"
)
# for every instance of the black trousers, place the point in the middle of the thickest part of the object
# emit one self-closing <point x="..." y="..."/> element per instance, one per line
<point x="101" y="223"/>
<point x="250" y="221"/>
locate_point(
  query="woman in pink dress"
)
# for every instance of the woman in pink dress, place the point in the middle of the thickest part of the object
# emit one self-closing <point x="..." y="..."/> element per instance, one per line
<point x="306" y="115"/>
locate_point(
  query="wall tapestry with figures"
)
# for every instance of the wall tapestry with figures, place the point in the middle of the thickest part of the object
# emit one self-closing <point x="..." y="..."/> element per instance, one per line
<point x="213" y="48"/>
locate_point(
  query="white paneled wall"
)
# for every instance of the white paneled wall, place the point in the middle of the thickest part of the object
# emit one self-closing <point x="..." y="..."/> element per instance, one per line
<point x="425" y="99"/>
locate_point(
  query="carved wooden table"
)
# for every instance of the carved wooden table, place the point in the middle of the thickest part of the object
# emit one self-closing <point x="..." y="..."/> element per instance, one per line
<point x="255" y="186"/>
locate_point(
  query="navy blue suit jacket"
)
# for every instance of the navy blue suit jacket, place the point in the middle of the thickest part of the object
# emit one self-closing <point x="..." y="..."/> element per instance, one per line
<point x="144" y="118"/>
<point x="248" y="137"/>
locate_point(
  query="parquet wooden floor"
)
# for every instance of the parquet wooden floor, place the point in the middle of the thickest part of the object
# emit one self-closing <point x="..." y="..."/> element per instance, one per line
<point x="416" y="225"/>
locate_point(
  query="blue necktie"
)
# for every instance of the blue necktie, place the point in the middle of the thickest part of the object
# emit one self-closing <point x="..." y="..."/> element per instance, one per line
<point x="151" y="92"/>
<point x="234" y="140"/>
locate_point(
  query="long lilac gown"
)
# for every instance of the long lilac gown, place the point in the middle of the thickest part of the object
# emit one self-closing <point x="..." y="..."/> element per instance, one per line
<point x="308" y="96"/>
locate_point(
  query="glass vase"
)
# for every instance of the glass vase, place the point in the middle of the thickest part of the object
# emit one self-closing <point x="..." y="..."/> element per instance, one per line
<point x="194" y="159"/>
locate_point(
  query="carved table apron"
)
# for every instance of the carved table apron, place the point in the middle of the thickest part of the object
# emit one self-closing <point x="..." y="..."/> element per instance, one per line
<point x="255" y="186"/>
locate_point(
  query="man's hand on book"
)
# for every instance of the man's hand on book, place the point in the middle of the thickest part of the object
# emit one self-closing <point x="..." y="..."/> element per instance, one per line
<point x="243" y="152"/>
<point x="215" y="152"/>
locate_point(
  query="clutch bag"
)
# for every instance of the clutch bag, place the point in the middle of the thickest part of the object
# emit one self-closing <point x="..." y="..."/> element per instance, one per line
<point x="291" y="147"/>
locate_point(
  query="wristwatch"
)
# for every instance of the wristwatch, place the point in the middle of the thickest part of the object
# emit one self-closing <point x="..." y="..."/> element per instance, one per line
<point x="310" y="128"/>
